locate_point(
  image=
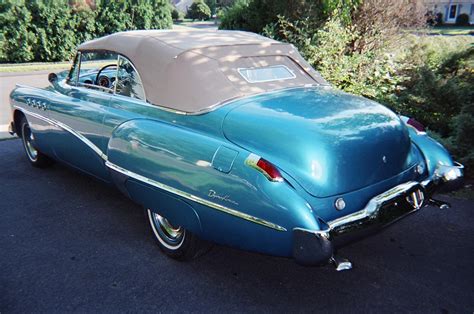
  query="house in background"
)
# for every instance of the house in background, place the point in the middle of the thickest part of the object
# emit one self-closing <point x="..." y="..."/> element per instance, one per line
<point x="451" y="9"/>
<point x="182" y="5"/>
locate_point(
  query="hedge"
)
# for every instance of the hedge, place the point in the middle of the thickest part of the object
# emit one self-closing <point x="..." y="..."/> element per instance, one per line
<point x="49" y="30"/>
<point x="427" y="78"/>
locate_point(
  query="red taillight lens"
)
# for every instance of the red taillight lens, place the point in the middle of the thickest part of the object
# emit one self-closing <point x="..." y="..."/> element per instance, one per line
<point x="267" y="168"/>
<point x="417" y="125"/>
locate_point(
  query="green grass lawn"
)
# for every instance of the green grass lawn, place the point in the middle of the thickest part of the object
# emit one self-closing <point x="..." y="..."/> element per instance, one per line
<point x="439" y="45"/>
<point x="187" y="21"/>
<point x="36" y="66"/>
<point x="458" y="42"/>
<point x="451" y="30"/>
<point x="195" y="24"/>
<point x="443" y="30"/>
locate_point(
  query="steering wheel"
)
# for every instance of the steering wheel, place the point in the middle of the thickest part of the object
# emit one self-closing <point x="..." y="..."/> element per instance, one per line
<point x="96" y="81"/>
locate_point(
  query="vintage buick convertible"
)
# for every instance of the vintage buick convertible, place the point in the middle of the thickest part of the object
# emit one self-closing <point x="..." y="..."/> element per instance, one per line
<point x="233" y="138"/>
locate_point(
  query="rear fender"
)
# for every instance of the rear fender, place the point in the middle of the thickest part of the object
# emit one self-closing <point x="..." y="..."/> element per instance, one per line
<point x="202" y="183"/>
<point x="434" y="153"/>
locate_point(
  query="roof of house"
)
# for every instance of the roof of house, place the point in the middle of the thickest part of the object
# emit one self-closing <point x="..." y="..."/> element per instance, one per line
<point x="191" y="71"/>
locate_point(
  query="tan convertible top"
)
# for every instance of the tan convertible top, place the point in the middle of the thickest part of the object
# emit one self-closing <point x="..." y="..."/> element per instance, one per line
<point x="192" y="71"/>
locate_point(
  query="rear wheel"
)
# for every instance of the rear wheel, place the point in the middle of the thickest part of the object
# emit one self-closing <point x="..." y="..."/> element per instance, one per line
<point x="175" y="241"/>
<point x="35" y="157"/>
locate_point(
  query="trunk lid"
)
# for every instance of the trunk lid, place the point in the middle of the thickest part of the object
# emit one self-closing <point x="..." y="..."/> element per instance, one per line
<point x="330" y="142"/>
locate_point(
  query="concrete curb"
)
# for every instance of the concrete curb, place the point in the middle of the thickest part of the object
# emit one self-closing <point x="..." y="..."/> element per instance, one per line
<point x="25" y="73"/>
<point x="4" y="135"/>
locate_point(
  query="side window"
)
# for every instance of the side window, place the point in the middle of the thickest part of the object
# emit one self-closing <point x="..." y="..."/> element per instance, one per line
<point x="98" y="70"/>
<point x="128" y="80"/>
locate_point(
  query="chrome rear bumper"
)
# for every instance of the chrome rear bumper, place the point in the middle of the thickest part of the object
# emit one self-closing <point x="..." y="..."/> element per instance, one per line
<point x="445" y="178"/>
<point x="313" y="247"/>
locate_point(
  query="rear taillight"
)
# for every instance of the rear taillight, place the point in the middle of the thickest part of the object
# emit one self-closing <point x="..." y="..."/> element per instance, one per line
<point x="416" y="125"/>
<point x="264" y="166"/>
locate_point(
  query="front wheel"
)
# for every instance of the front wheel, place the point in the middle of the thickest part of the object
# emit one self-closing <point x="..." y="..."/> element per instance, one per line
<point x="175" y="241"/>
<point x="35" y="157"/>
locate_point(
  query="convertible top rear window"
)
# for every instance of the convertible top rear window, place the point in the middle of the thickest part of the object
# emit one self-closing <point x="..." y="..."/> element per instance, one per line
<point x="266" y="74"/>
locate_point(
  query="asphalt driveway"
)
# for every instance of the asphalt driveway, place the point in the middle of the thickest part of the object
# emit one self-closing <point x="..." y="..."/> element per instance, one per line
<point x="70" y="243"/>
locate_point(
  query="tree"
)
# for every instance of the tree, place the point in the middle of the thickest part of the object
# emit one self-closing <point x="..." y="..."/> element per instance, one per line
<point x="175" y="14"/>
<point x="50" y="30"/>
<point x="121" y="15"/>
<point x="84" y="22"/>
<point x="212" y="4"/>
<point x="162" y="18"/>
<point x="16" y="40"/>
<point x="462" y="20"/>
<point x="53" y="26"/>
<point x="254" y="15"/>
<point x="199" y="11"/>
<point x="379" y="22"/>
<point x="113" y="16"/>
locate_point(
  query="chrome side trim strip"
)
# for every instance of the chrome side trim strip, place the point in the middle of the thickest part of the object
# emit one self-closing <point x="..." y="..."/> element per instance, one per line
<point x="152" y="182"/>
<point x="18" y="85"/>
<point x="194" y="198"/>
<point x="202" y="111"/>
<point x="67" y="128"/>
<point x="207" y="109"/>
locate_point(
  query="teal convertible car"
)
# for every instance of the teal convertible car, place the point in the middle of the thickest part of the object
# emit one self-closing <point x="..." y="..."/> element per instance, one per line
<point x="233" y="138"/>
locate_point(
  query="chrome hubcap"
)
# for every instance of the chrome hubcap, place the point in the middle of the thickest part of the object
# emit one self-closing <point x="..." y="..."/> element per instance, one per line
<point x="170" y="236"/>
<point x="171" y="231"/>
<point x="28" y="140"/>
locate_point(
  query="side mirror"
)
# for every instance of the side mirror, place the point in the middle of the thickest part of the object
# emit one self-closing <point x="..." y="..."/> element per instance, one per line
<point x="52" y="78"/>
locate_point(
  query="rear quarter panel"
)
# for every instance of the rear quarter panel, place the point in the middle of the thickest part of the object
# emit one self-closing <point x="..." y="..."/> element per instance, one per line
<point x="433" y="152"/>
<point x="183" y="161"/>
